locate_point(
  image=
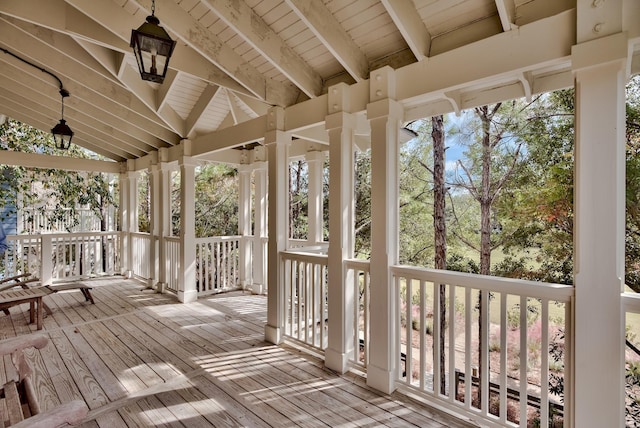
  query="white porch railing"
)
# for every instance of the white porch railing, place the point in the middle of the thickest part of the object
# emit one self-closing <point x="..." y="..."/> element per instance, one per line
<point x="35" y="220"/>
<point x="63" y="256"/>
<point x="361" y="290"/>
<point x="172" y="263"/>
<point x="305" y="283"/>
<point x="140" y="250"/>
<point x="516" y="346"/>
<point x="217" y="264"/>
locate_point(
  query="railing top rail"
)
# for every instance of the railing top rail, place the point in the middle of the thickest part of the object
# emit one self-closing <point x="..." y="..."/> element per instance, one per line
<point x="361" y="264"/>
<point x="631" y="302"/>
<point x="55" y="235"/>
<point x="305" y="257"/>
<point x="557" y="292"/>
<point x="218" y="238"/>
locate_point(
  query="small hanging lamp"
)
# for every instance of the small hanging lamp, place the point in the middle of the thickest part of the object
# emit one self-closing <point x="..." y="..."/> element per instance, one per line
<point x="152" y="47"/>
<point x="62" y="134"/>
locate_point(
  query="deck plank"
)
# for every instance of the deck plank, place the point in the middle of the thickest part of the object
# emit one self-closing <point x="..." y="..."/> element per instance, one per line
<point x="141" y="359"/>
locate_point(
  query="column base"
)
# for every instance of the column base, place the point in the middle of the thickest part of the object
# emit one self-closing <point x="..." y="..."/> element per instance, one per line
<point x="381" y="379"/>
<point x="161" y="287"/>
<point x="188" y="296"/>
<point x="257" y="288"/>
<point x="273" y="334"/>
<point x="336" y="360"/>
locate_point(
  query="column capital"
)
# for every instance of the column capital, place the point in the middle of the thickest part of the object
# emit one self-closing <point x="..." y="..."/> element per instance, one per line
<point x="340" y="120"/>
<point x="315" y="156"/>
<point x="599" y="51"/>
<point x="276" y="137"/>
<point x="385" y="108"/>
<point x="245" y="168"/>
<point x="188" y="161"/>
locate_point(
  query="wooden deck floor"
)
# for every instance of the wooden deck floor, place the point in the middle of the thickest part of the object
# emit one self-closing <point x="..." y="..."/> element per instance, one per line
<point x="142" y="359"/>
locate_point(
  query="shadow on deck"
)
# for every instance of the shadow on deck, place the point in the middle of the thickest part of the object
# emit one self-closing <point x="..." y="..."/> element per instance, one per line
<point x="141" y="359"/>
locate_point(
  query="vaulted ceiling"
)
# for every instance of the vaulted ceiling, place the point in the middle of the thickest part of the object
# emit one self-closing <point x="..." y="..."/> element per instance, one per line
<point x="233" y="60"/>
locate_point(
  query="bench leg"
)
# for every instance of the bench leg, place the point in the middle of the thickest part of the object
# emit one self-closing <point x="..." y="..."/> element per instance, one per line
<point x="39" y="315"/>
<point x="87" y="295"/>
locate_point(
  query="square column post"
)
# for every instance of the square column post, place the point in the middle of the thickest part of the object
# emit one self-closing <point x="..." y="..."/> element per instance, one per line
<point x="164" y="217"/>
<point x="277" y="143"/>
<point x="244" y="223"/>
<point x="260" y="228"/>
<point x="385" y="116"/>
<point x="315" y="162"/>
<point x="154" y="220"/>
<point x="187" y="291"/>
<point x="129" y="217"/>
<point x="598" y="354"/>
<point x="340" y="126"/>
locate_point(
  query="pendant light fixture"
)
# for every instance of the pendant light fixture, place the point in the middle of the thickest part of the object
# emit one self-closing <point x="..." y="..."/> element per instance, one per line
<point x="62" y="134"/>
<point x="152" y="48"/>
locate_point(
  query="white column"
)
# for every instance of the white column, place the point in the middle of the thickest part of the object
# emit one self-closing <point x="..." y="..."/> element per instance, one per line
<point x="123" y="213"/>
<point x="244" y="223"/>
<point x="154" y="221"/>
<point x="129" y="217"/>
<point x="164" y="219"/>
<point x="187" y="291"/>
<point x="385" y="115"/>
<point x="341" y="296"/>
<point x="277" y="143"/>
<point x="315" y="162"/>
<point x="260" y="232"/>
<point x="598" y="357"/>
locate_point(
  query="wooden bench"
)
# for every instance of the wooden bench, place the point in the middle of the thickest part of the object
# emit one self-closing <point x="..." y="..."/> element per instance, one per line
<point x="26" y="282"/>
<point x="20" y="407"/>
<point x="33" y="296"/>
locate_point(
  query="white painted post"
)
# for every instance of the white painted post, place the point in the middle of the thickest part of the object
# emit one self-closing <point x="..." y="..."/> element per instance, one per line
<point x="46" y="259"/>
<point x="340" y="124"/>
<point x="277" y="143"/>
<point x="315" y="162"/>
<point x="260" y="225"/>
<point x="128" y="198"/>
<point x="244" y="223"/>
<point x="187" y="291"/>
<point x="598" y="362"/>
<point x="164" y="218"/>
<point x="385" y="115"/>
<point x="154" y="220"/>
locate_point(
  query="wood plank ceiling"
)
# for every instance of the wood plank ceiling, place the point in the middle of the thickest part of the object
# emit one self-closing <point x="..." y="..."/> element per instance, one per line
<point x="233" y="60"/>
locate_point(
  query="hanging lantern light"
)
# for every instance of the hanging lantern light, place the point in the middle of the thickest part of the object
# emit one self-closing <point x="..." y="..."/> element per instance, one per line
<point x="62" y="134"/>
<point x="152" y="47"/>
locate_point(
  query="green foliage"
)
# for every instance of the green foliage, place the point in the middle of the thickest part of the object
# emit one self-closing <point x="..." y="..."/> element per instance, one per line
<point x="58" y="191"/>
<point x="362" y="204"/>
<point x="216" y="203"/>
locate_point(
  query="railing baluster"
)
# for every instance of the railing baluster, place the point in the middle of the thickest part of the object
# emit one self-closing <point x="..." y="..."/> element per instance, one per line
<point x="544" y="365"/>
<point x="467" y="346"/>
<point x="423" y="333"/>
<point x="503" y="357"/>
<point x="523" y="361"/>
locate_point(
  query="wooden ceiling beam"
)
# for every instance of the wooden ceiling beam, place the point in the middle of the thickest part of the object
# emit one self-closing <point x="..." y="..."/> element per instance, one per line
<point x="327" y="28"/>
<point x="407" y="19"/>
<point x="252" y="28"/>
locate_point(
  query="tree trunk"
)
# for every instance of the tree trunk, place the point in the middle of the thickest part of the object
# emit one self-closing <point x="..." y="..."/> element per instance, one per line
<point x="440" y="228"/>
<point x="486" y="200"/>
